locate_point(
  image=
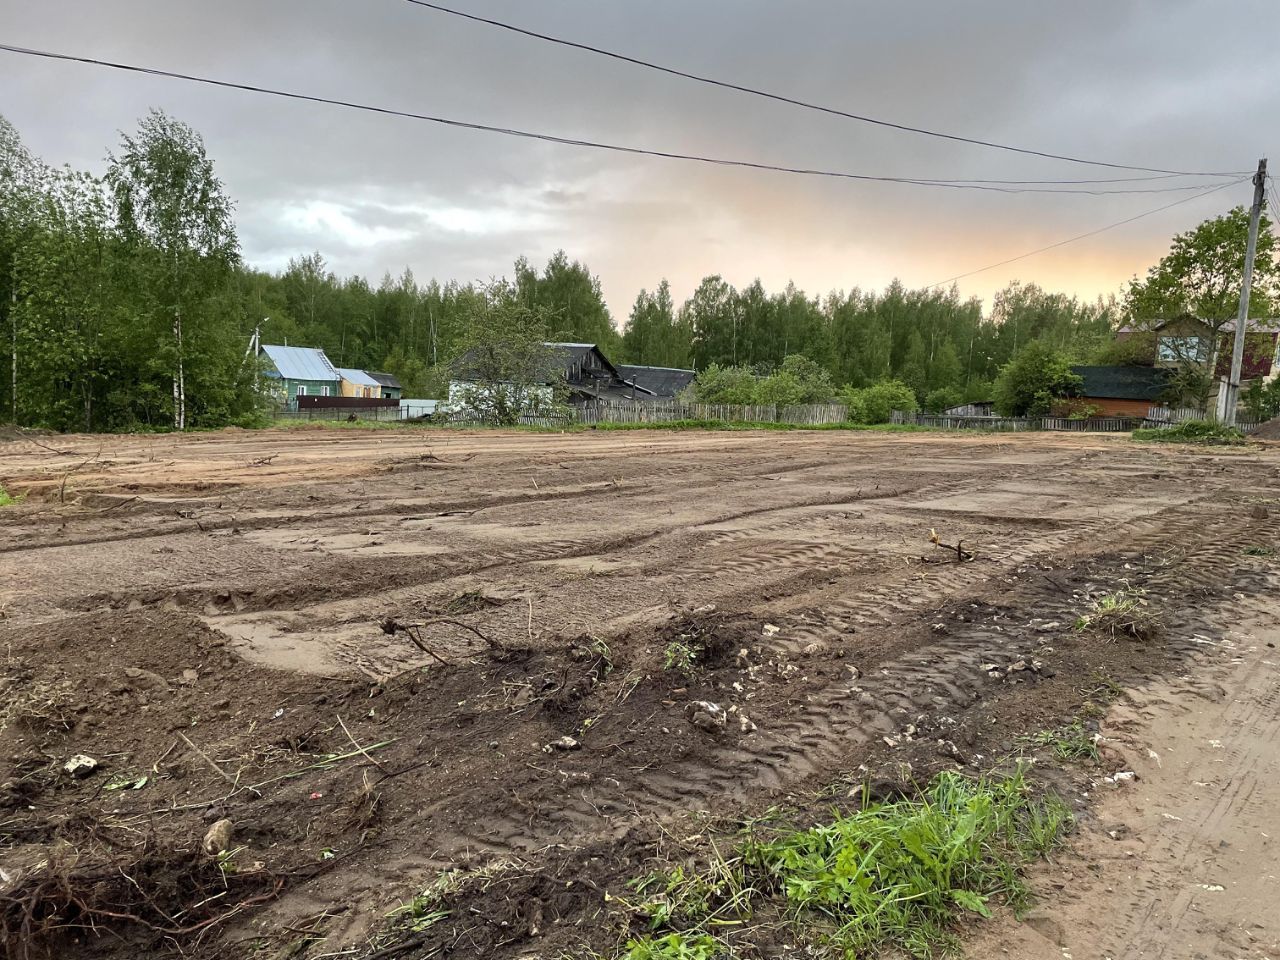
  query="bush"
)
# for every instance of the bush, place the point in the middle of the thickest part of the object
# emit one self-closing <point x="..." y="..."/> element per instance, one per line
<point x="942" y="399"/>
<point x="875" y="404"/>
<point x="717" y="384"/>
<point x="1204" y="432"/>
<point x="1030" y="383"/>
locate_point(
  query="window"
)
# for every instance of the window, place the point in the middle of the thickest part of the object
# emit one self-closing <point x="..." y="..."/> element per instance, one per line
<point x="302" y="389"/>
<point x="1183" y="349"/>
<point x="324" y="391"/>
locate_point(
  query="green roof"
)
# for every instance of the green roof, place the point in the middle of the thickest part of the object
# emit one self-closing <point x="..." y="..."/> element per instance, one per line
<point x="1123" y="382"/>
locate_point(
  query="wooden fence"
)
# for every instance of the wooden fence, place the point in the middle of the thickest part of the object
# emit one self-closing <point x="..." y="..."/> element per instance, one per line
<point x="626" y="411"/>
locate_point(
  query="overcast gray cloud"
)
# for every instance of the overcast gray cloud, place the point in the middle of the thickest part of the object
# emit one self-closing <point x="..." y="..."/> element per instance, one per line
<point x="1179" y="83"/>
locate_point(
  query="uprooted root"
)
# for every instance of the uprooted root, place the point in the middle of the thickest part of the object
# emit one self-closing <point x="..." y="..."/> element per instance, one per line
<point x="72" y="891"/>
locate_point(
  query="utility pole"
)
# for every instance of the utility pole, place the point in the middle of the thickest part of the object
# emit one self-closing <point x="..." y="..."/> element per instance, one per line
<point x="1231" y="392"/>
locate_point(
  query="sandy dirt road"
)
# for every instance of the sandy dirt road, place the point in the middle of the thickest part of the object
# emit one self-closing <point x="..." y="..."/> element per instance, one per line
<point x="219" y="616"/>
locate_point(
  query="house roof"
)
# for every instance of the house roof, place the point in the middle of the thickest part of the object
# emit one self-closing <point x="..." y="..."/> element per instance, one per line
<point x="358" y="377"/>
<point x="1253" y="325"/>
<point x="386" y="379"/>
<point x="1123" y="382"/>
<point x="566" y="356"/>
<point x="300" y="363"/>
<point x="660" y="381"/>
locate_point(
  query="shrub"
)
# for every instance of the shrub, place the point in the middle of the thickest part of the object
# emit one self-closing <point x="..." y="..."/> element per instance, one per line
<point x="1204" y="432"/>
<point x="876" y="403"/>
<point x="1030" y="383"/>
<point x="942" y="399"/>
<point x="717" y="384"/>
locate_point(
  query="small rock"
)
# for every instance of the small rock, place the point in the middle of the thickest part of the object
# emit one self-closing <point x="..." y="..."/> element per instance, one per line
<point x="189" y="677"/>
<point x="746" y="725"/>
<point x="1259" y="512"/>
<point x="770" y="630"/>
<point x="706" y="715"/>
<point x="852" y="672"/>
<point x="812" y="649"/>
<point x="1119" y="832"/>
<point x="218" y="838"/>
<point x="80" y="766"/>
<point x="1049" y="627"/>
<point x="1124" y="776"/>
<point x="564" y="743"/>
<point x="704" y="610"/>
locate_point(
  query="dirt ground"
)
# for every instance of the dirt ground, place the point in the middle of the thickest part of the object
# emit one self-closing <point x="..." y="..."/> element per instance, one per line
<point x="384" y="654"/>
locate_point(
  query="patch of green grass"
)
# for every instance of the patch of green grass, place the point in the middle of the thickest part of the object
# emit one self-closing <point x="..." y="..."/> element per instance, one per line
<point x="432" y="904"/>
<point x="1204" y="432"/>
<point x="889" y="875"/>
<point x="899" y="873"/>
<point x="1072" y="742"/>
<point x="1123" y="613"/>
<point x="8" y="500"/>
<point x="1259" y="552"/>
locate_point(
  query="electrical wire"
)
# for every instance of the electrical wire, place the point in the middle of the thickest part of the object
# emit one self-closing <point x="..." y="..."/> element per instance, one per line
<point x="1084" y="236"/>
<point x="795" y="102"/>
<point x="571" y="141"/>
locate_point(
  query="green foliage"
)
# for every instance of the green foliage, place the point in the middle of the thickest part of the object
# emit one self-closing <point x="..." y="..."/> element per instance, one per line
<point x="1201" y="274"/>
<point x="944" y="398"/>
<point x="876" y="404"/>
<point x="729" y="385"/>
<point x="676" y="946"/>
<point x="503" y="354"/>
<point x="1262" y="401"/>
<point x="898" y="873"/>
<point x="7" y="499"/>
<point x="1030" y="384"/>
<point x="1204" y="432"/>
<point x="679" y="656"/>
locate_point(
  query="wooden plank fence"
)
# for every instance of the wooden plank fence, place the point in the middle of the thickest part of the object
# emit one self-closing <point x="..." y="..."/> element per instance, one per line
<point x="626" y="411"/>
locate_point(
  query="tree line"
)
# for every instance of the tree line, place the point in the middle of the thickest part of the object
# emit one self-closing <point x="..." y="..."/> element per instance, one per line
<point x="126" y="305"/>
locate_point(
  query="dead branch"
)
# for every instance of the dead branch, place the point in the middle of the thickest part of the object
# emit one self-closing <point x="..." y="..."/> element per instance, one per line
<point x="962" y="555"/>
<point x="235" y="784"/>
<point x="392" y="626"/>
<point x="263" y="461"/>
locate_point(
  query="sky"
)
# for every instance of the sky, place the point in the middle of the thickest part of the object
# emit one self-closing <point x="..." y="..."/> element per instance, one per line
<point x="1177" y="84"/>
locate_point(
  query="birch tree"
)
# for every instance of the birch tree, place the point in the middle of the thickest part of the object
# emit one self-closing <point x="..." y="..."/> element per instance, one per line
<point x="171" y="208"/>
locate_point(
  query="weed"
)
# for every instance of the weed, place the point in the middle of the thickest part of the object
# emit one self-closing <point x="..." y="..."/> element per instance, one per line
<point x="1205" y="432"/>
<point x="1072" y="742"/>
<point x="1259" y="552"/>
<point x="676" y="946"/>
<point x="1124" y="613"/>
<point x="8" y="500"/>
<point x="679" y="656"/>
<point x="898" y="873"/>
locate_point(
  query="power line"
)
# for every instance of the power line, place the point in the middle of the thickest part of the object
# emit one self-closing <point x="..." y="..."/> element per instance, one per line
<point x="1083" y="236"/>
<point x="570" y="141"/>
<point x="781" y="98"/>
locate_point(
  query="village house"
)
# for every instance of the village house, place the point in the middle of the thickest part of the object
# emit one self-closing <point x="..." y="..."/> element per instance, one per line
<point x="357" y="383"/>
<point x="390" y="384"/>
<point x="580" y="369"/>
<point x="300" y="372"/>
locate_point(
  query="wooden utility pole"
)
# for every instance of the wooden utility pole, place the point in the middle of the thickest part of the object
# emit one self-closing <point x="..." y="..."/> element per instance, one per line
<point x="1231" y="392"/>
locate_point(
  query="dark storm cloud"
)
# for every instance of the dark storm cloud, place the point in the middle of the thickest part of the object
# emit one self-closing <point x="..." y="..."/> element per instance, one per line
<point x="1175" y="82"/>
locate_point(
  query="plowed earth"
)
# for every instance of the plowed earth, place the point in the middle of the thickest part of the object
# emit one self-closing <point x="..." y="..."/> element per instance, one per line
<point x="215" y="620"/>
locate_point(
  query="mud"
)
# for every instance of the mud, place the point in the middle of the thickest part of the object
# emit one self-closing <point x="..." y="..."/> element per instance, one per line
<point x="211" y="625"/>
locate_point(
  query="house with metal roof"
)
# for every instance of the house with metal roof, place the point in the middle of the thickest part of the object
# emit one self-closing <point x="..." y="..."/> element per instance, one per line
<point x="657" y="383"/>
<point x="357" y="383"/>
<point x="300" y="372"/>
<point x="581" y="369"/>
<point x="392" y="389"/>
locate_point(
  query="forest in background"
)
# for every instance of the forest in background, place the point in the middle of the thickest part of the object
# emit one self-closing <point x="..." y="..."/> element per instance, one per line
<point x="127" y="305"/>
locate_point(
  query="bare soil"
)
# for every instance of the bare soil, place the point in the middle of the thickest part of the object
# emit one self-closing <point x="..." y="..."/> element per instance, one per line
<point x="217" y="620"/>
